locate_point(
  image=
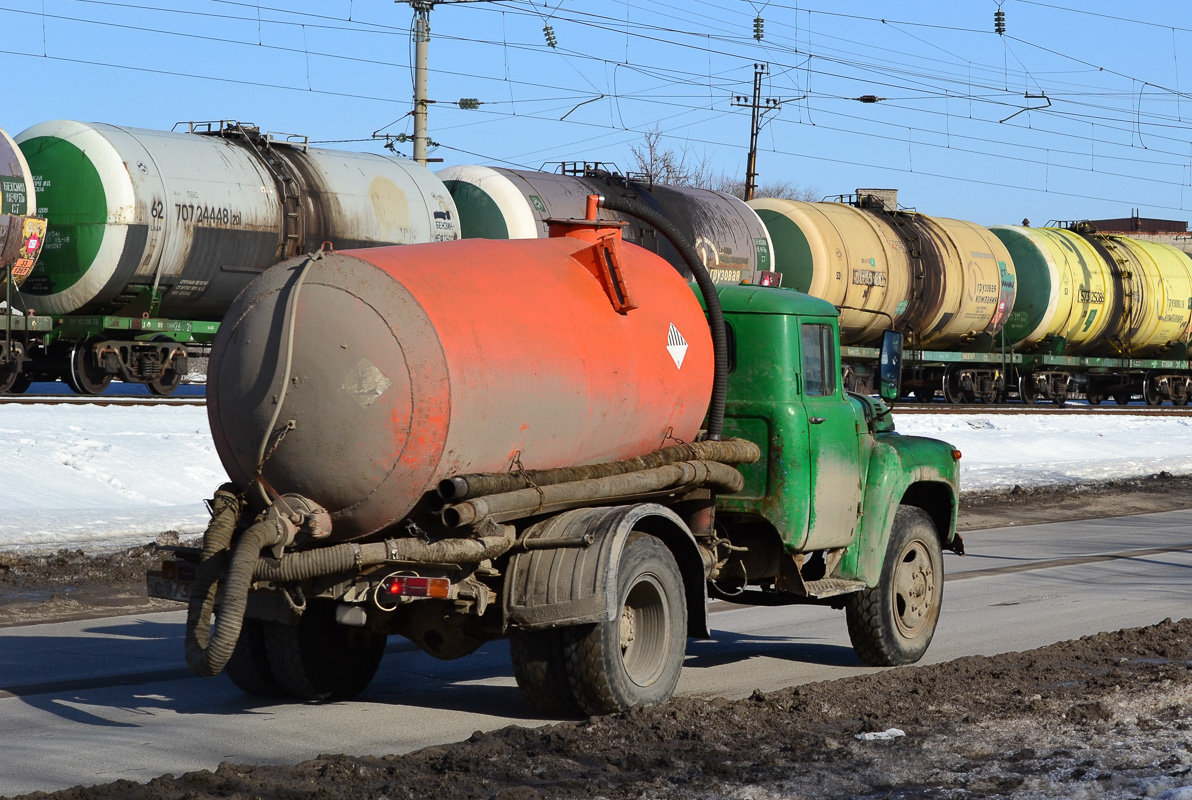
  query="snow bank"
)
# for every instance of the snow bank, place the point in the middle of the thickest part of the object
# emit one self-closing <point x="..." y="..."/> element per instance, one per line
<point x="78" y="476"/>
<point x="1002" y="450"/>
<point x="88" y="475"/>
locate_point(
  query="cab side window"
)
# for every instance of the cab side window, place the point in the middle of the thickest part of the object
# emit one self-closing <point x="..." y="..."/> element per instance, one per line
<point x="819" y="360"/>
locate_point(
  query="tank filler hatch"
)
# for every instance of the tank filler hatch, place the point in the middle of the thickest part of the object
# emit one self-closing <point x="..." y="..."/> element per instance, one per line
<point x="603" y="257"/>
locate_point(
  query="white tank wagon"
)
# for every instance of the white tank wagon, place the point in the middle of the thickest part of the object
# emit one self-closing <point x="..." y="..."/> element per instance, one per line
<point x="165" y="229"/>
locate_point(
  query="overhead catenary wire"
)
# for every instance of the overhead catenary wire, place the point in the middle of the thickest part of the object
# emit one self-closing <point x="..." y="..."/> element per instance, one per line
<point x="1152" y="113"/>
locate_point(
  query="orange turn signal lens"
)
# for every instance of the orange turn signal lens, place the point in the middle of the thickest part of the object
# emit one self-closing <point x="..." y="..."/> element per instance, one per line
<point x="414" y="586"/>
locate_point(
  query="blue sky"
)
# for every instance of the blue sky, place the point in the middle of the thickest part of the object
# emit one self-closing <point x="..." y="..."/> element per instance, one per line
<point x="1112" y="93"/>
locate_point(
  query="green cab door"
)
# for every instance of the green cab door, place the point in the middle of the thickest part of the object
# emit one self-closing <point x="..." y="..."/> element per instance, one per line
<point x="833" y="450"/>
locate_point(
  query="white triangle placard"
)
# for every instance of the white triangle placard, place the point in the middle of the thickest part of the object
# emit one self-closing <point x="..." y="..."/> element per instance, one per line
<point x="676" y="345"/>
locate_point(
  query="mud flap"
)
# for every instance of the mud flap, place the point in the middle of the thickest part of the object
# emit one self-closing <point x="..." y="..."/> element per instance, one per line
<point x="574" y="583"/>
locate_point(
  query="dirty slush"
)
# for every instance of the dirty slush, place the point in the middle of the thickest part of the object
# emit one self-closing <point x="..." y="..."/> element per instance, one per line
<point x="1106" y="716"/>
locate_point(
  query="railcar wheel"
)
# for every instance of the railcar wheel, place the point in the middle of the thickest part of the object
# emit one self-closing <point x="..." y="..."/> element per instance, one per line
<point x="540" y="666"/>
<point x="8" y="378"/>
<point x="1026" y="390"/>
<point x="20" y="384"/>
<point x="82" y="375"/>
<point x="249" y="665"/>
<point x="1180" y="400"/>
<point x="169" y="379"/>
<point x="635" y="659"/>
<point x="1121" y="398"/>
<point x="1151" y="395"/>
<point x="893" y="622"/>
<point x="1094" y="398"/>
<point x="318" y="659"/>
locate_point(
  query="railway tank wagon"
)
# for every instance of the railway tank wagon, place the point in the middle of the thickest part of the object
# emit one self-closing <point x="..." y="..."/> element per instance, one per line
<point x="22" y="234"/>
<point x="1109" y="315"/>
<point x="153" y="234"/>
<point x="499" y="203"/>
<point x="948" y="285"/>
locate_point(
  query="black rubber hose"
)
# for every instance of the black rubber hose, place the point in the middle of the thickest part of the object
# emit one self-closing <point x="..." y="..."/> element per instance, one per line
<point x="638" y="209"/>
<point x="207" y="653"/>
<point x="726" y="451"/>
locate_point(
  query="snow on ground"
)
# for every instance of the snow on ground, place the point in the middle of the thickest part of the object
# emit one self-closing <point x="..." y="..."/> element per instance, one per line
<point x="87" y="476"/>
<point x="99" y="477"/>
<point x="1004" y="450"/>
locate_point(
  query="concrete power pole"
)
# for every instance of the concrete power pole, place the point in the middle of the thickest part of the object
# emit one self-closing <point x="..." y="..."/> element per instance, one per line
<point x="760" y="108"/>
<point x="421" y="68"/>
<point x="421" y="58"/>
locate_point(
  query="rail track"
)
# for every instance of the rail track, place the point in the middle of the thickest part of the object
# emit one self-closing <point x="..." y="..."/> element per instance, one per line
<point x="898" y="408"/>
<point x="1020" y="408"/>
<point x="53" y="393"/>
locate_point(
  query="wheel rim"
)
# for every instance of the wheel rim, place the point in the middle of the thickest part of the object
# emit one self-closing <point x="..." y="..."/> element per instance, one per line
<point x="645" y="623"/>
<point x="914" y="589"/>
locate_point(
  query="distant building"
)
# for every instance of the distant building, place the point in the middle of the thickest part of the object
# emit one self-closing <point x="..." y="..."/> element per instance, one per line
<point x="1167" y="231"/>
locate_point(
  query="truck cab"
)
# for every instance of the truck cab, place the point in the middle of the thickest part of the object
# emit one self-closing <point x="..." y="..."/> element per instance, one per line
<point x="835" y="481"/>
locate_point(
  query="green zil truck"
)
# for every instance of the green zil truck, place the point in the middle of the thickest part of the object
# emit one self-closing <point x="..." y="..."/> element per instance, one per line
<point x="810" y="497"/>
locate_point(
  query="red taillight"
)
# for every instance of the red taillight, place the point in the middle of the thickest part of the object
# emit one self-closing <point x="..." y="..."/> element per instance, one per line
<point x="413" y="586"/>
<point x="181" y="571"/>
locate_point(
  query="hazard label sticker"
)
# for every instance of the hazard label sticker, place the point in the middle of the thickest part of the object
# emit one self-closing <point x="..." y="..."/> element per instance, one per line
<point x="676" y="345"/>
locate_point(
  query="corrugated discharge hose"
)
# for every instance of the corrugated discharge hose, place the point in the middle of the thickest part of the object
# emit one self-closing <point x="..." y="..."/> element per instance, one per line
<point x="207" y="653"/>
<point x="707" y="288"/>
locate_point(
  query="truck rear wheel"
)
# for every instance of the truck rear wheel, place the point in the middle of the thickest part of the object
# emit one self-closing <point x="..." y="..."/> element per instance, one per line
<point x="318" y="659"/>
<point x="635" y="659"/>
<point x="249" y="665"/>
<point x="540" y="666"/>
<point x="892" y="623"/>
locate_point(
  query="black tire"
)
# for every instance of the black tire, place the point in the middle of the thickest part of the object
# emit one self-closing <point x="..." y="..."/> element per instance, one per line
<point x="634" y="660"/>
<point x="318" y="659"/>
<point x="249" y="665"/>
<point x="893" y="622"/>
<point x="540" y="666"/>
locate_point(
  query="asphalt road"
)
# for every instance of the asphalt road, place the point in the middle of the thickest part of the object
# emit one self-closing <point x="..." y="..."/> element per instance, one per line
<point x="94" y="701"/>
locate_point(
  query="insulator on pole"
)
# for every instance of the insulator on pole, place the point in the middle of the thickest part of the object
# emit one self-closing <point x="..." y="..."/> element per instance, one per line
<point x="999" y="22"/>
<point x="469" y="103"/>
<point x="549" y="33"/>
<point x="759" y="26"/>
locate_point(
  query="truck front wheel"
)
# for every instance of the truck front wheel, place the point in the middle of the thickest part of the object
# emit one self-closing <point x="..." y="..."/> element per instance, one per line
<point x="635" y="659"/>
<point x="892" y="623"/>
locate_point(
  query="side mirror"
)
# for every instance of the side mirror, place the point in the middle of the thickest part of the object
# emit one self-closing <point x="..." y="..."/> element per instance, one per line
<point x="890" y="368"/>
